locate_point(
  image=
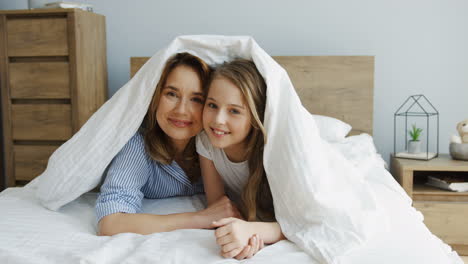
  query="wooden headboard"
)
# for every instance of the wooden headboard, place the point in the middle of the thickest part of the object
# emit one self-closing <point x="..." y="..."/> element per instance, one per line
<point x="336" y="86"/>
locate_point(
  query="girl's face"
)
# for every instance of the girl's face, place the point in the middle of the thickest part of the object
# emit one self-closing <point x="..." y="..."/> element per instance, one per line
<point x="179" y="112"/>
<point x="226" y="117"/>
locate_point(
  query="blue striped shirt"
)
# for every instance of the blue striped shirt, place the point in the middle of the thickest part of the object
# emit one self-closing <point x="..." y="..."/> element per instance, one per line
<point x="134" y="175"/>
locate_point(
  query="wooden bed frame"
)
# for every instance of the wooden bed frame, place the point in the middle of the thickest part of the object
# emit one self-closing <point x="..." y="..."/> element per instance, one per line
<point x="336" y="86"/>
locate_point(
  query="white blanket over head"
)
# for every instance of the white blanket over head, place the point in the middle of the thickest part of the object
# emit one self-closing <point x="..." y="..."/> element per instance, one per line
<point x="321" y="201"/>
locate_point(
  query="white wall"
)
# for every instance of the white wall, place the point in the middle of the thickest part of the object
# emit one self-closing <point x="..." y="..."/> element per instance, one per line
<point x="419" y="46"/>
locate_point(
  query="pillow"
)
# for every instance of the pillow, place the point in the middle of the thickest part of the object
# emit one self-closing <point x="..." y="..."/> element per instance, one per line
<point x="331" y="129"/>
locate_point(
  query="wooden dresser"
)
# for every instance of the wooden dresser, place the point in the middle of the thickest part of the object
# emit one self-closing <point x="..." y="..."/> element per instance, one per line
<point x="445" y="212"/>
<point x="53" y="76"/>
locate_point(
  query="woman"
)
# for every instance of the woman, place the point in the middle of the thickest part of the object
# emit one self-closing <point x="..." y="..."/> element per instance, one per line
<point x="160" y="160"/>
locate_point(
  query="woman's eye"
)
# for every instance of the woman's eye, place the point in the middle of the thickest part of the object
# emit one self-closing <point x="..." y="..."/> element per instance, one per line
<point x="211" y="105"/>
<point x="234" y="111"/>
<point x="171" y="94"/>
<point x="198" y="100"/>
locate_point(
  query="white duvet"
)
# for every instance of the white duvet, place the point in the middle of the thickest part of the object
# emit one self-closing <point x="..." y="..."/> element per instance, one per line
<point x="30" y="233"/>
<point x="321" y="201"/>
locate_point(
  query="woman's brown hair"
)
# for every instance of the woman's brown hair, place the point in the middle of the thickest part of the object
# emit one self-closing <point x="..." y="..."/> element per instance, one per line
<point x="256" y="194"/>
<point x="157" y="144"/>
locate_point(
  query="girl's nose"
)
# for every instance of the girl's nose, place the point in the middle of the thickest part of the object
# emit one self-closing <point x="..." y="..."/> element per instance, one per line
<point x="220" y="117"/>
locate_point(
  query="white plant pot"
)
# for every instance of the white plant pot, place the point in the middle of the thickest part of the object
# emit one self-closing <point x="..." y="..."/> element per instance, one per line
<point x="38" y="3"/>
<point x="459" y="151"/>
<point x="414" y="147"/>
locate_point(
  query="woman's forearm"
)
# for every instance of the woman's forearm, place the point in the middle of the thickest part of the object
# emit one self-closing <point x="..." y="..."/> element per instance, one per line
<point x="270" y="232"/>
<point x="148" y="223"/>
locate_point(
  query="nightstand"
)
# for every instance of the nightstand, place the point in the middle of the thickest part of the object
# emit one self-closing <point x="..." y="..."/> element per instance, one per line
<point x="445" y="212"/>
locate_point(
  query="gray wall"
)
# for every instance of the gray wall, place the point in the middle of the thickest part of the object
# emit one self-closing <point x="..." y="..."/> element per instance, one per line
<point x="419" y="46"/>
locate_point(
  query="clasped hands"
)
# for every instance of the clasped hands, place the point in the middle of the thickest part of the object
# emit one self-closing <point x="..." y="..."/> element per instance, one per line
<point x="235" y="236"/>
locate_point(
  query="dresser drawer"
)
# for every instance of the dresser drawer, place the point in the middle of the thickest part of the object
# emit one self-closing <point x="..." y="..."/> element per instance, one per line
<point x="447" y="220"/>
<point x="53" y="78"/>
<point x="37" y="36"/>
<point x="41" y="121"/>
<point x="39" y="80"/>
<point x="31" y="161"/>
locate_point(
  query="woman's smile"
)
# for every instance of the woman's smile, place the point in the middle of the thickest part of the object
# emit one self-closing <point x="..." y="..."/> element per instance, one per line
<point x="180" y="123"/>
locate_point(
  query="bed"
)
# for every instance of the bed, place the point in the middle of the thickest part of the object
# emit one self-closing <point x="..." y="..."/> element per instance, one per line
<point x="336" y="86"/>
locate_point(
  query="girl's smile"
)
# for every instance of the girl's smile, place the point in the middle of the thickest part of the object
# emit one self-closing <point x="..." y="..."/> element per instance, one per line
<point x="219" y="133"/>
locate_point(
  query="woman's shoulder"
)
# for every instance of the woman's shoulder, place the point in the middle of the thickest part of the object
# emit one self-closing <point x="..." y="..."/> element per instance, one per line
<point x="136" y="144"/>
<point x="131" y="162"/>
<point x="138" y="137"/>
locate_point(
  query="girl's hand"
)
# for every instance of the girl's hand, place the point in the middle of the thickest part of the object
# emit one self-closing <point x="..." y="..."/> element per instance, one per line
<point x="233" y="236"/>
<point x="255" y="244"/>
<point x="222" y="208"/>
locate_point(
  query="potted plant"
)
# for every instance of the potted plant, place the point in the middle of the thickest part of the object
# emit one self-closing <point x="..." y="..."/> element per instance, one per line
<point x="414" y="145"/>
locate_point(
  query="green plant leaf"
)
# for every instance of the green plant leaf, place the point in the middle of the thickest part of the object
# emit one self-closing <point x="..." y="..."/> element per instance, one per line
<point x="415" y="132"/>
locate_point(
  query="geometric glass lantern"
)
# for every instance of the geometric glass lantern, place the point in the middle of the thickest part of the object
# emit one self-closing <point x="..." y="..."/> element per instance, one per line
<point x="420" y="137"/>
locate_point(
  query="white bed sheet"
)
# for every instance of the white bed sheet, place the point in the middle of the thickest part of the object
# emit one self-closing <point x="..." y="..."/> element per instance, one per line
<point x="30" y="233"/>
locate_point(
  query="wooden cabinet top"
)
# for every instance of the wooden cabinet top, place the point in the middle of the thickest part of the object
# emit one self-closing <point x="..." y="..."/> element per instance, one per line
<point x="442" y="163"/>
<point x="43" y="11"/>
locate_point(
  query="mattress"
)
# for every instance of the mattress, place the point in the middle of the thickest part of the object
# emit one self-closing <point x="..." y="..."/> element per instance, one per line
<point x="30" y="233"/>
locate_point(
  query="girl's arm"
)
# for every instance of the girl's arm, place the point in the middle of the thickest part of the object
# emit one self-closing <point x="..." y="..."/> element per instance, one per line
<point x="214" y="187"/>
<point x="233" y="234"/>
<point x="269" y="232"/>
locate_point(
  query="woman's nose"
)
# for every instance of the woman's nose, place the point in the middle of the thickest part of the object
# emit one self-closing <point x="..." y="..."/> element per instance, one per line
<point x="181" y="107"/>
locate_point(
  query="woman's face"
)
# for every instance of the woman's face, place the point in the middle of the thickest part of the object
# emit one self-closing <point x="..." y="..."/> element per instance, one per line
<point x="179" y="112"/>
<point x="226" y="117"/>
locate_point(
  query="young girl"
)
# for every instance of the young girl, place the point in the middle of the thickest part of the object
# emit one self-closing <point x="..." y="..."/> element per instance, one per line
<point x="231" y="155"/>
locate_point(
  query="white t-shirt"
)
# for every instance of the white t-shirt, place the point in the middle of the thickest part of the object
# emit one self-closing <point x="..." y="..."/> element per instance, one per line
<point x="234" y="175"/>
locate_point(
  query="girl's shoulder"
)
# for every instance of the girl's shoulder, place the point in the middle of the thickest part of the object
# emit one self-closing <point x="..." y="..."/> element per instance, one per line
<point x="204" y="146"/>
<point x="203" y="137"/>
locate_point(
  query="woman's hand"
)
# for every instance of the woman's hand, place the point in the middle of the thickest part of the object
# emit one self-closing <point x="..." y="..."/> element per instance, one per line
<point x="237" y="238"/>
<point x="222" y="208"/>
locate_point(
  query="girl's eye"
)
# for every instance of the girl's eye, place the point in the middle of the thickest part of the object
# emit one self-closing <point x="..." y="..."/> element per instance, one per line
<point x="234" y="111"/>
<point x="211" y="105"/>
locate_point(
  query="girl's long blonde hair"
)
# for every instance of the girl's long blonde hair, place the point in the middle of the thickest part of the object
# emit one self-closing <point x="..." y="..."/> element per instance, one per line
<point x="256" y="195"/>
<point x="157" y="143"/>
